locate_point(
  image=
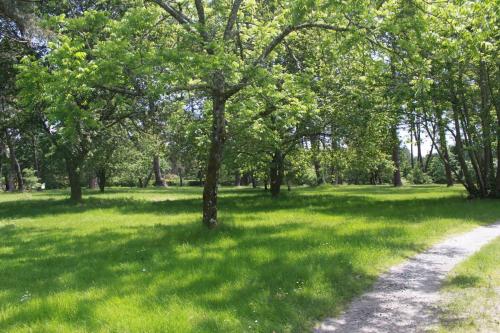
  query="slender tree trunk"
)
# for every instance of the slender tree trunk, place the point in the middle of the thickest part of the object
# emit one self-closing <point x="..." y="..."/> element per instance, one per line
<point x="486" y="122"/>
<point x="428" y="159"/>
<point x="73" y="169"/>
<point x="316" y="163"/>
<point x="418" y="139"/>
<point x="148" y="178"/>
<point x="253" y="180"/>
<point x="444" y="149"/>
<point x="495" y="98"/>
<point x="412" y="159"/>
<point x="214" y="155"/>
<point x="396" y="179"/>
<point x="93" y="182"/>
<point x="180" y="178"/>
<point x="469" y="184"/>
<point x="14" y="163"/>
<point x="157" y="171"/>
<point x="9" y="176"/>
<point x="237" y="178"/>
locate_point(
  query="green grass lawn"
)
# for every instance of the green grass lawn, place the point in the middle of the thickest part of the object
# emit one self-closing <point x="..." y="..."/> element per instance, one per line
<point x="472" y="294"/>
<point x="139" y="260"/>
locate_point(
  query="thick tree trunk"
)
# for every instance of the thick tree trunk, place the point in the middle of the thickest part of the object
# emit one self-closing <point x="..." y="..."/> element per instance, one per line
<point x="276" y="173"/>
<point x="157" y="171"/>
<point x="396" y="179"/>
<point x="214" y="155"/>
<point x="74" y="179"/>
<point x="101" y="176"/>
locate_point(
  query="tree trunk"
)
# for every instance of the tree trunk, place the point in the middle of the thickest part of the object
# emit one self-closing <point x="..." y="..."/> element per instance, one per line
<point x="92" y="182"/>
<point x="253" y="180"/>
<point x="14" y="164"/>
<point x="74" y="179"/>
<point x="276" y="172"/>
<point x="157" y="171"/>
<point x="214" y="155"/>
<point x="396" y="179"/>
<point x="237" y="178"/>
<point x="486" y="122"/>
<point x="444" y="150"/>
<point x="469" y="184"/>
<point x="180" y="178"/>
<point x="101" y="176"/>
<point x="148" y="178"/>
<point x="418" y="139"/>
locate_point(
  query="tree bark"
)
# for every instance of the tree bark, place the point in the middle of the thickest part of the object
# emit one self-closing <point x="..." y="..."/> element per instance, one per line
<point x="101" y="177"/>
<point x="214" y="154"/>
<point x="73" y="169"/>
<point x="276" y="173"/>
<point x="14" y="164"/>
<point x="396" y="179"/>
<point x="444" y="149"/>
<point x="486" y="122"/>
<point x="157" y="171"/>
<point x="237" y="178"/>
<point x="469" y="184"/>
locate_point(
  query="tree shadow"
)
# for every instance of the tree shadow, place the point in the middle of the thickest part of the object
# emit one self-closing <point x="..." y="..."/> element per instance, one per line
<point x="260" y="271"/>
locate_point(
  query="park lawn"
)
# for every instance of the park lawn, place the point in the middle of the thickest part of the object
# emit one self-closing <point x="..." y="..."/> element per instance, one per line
<point x="136" y="260"/>
<point x="472" y="294"/>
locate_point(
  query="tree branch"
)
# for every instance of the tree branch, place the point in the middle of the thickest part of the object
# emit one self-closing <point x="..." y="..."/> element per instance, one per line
<point x="232" y="19"/>
<point x="288" y="30"/>
<point x="177" y="15"/>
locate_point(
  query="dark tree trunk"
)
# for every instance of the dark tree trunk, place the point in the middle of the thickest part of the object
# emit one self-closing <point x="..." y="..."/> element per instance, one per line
<point x="214" y="155"/>
<point x="157" y="171"/>
<point x="276" y="172"/>
<point x="148" y="178"/>
<point x="101" y="176"/>
<point x="181" y="180"/>
<point x="428" y="159"/>
<point x="469" y="184"/>
<point x="486" y="122"/>
<point x="396" y="179"/>
<point x="253" y="180"/>
<point x="317" y="165"/>
<point x="412" y="158"/>
<point x="74" y="179"/>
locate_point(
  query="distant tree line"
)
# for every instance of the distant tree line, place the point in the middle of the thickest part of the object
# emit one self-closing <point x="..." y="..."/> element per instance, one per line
<point x="262" y="93"/>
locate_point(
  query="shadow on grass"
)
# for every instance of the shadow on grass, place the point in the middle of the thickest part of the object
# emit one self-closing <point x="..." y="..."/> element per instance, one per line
<point x="463" y="281"/>
<point x="261" y="272"/>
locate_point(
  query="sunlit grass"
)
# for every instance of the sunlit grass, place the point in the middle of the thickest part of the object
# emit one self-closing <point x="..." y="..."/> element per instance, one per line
<point x="472" y="294"/>
<point x="139" y="260"/>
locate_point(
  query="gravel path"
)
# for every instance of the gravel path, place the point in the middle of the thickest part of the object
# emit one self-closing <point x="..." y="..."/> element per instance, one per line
<point x="404" y="298"/>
